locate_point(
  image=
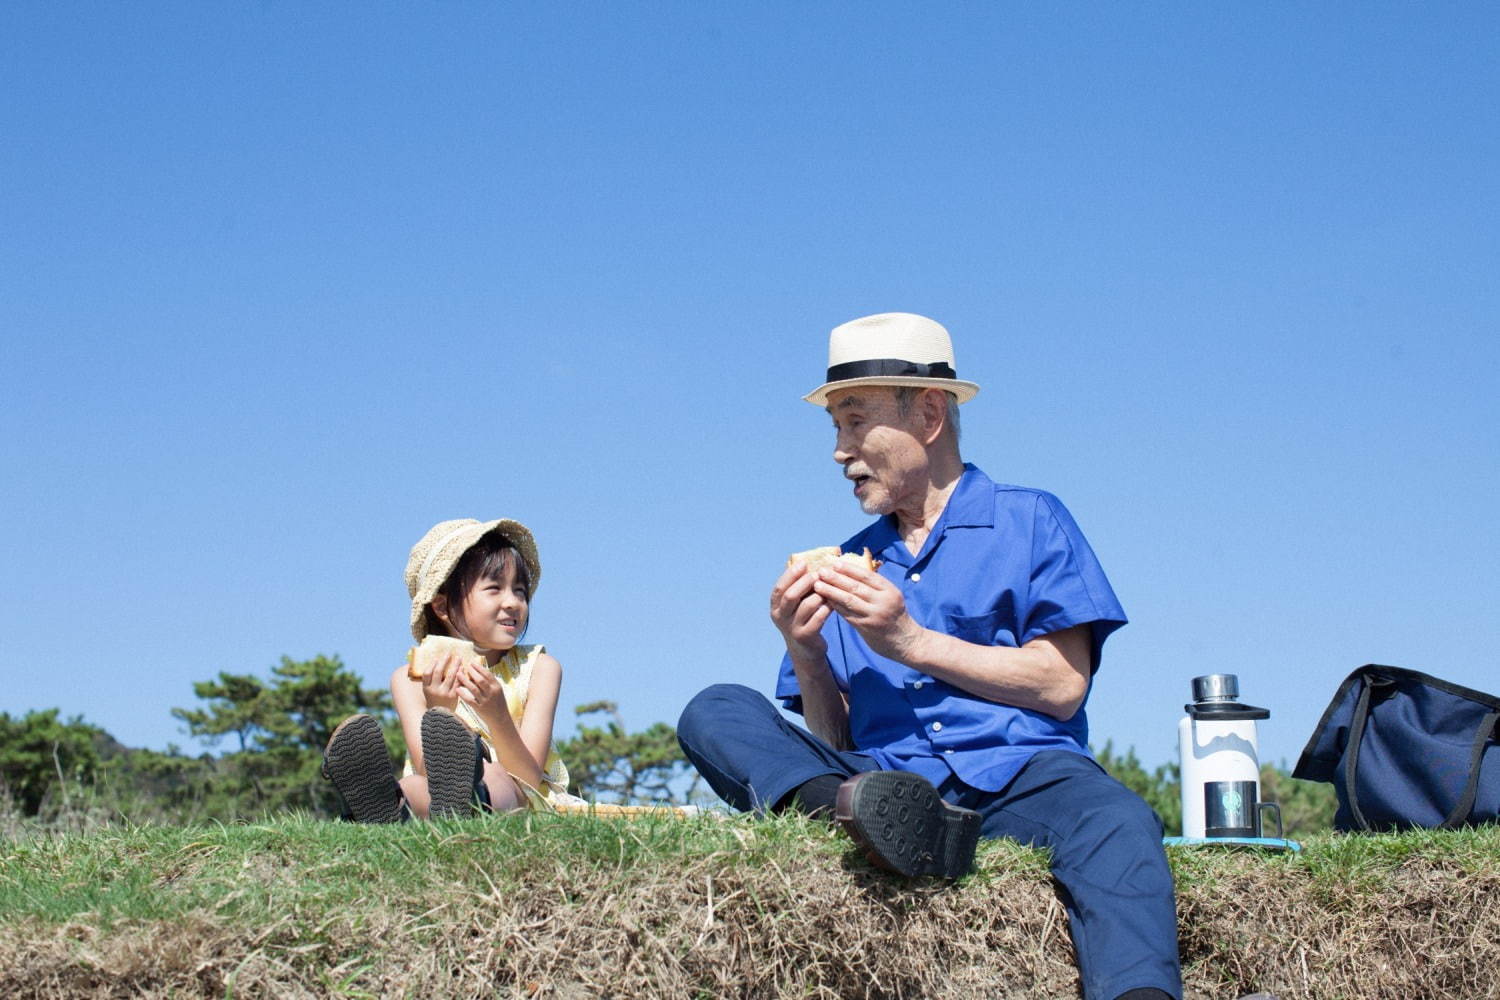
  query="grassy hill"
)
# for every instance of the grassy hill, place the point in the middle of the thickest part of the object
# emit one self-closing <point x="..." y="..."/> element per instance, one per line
<point x="540" y="906"/>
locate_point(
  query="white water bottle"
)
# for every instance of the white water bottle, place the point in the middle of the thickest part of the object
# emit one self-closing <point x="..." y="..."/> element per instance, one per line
<point x="1220" y="758"/>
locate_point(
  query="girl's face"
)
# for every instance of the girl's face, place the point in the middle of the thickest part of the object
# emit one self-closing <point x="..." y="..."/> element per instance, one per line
<point x="495" y="610"/>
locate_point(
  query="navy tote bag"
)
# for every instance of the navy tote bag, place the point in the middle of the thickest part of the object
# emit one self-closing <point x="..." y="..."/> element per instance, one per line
<point x="1404" y="749"/>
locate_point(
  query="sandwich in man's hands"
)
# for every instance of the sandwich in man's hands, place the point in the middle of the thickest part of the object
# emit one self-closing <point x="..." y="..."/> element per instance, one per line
<point x="434" y="649"/>
<point x="826" y="555"/>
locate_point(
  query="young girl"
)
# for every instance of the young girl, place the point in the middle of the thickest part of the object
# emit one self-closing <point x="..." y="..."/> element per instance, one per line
<point x="474" y="734"/>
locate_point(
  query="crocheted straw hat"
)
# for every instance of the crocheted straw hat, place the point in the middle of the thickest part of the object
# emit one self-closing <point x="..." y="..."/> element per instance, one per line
<point x="433" y="558"/>
<point x="891" y="349"/>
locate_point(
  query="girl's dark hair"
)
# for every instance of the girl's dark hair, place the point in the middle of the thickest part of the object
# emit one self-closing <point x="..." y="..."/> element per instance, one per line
<point x="487" y="560"/>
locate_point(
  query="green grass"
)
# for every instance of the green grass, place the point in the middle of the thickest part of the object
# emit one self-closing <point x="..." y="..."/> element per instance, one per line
<point x="332" y="908"/>
<point x="256" y="872"/>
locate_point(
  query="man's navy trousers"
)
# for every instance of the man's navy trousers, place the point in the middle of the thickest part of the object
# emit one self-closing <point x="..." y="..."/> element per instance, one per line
<point x="1107" y="857"/>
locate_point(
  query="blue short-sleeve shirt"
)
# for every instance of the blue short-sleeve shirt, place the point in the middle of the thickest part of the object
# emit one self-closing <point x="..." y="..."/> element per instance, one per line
<point x="1002" y="566"/>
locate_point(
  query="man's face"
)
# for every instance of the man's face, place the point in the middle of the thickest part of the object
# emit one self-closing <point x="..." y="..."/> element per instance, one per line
<point x="879" y="448"/>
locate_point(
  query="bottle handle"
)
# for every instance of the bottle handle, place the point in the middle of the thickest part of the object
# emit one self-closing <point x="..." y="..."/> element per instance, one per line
<point x="1280" y="833"/>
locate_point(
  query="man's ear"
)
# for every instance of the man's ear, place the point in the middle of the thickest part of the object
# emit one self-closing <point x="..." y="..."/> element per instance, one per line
<point x="934" y="410"/>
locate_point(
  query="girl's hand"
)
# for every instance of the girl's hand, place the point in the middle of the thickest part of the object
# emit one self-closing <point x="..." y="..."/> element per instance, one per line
<point x="482" y="689"/>
<point x="440" y="685"/>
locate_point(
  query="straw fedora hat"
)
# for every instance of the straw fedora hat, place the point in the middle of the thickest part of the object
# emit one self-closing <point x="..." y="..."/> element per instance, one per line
<point x="891" y="349"/>
<point x="432" y="559"/>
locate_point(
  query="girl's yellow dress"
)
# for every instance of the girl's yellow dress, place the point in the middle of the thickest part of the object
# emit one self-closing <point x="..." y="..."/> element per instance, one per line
<point x="514" y="671"/>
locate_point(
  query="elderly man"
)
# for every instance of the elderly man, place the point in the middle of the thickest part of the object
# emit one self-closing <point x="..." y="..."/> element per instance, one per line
<point x="944" y="689"/>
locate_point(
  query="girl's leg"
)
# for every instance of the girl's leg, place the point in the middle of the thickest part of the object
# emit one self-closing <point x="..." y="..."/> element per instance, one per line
<point x="357" y="763"/>
<point x="452" y="758"/>
<point x="414" y="787"/>
<point x="504" y="795"/>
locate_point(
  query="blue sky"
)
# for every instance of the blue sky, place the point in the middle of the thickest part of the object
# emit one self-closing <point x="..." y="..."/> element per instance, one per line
<point x="282" y="285"/>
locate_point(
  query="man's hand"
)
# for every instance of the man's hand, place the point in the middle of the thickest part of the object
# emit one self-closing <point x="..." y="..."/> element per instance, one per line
<point x="798" y="614"/>
<point x="873" y="605"/>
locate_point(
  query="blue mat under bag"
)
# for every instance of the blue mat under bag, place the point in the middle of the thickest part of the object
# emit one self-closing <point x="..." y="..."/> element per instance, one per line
<point x="1404" y="749"/>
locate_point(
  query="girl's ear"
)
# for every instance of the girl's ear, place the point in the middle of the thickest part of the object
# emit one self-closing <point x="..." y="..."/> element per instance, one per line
<point x="440" y="607"/>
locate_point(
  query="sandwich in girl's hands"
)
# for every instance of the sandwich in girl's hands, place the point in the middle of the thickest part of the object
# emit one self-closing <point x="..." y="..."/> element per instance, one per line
<point x="434" y="649"/>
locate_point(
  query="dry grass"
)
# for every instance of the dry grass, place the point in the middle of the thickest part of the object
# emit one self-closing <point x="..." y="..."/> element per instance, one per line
<point x="588" y="908"/>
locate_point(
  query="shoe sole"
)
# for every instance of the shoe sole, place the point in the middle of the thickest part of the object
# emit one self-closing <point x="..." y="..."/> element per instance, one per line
<point x="359" y="765"/>
<point x="451" y="761"/>
<point x="904" y="826"/>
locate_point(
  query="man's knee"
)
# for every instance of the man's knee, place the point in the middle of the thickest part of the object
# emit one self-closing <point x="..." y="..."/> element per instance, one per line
<point x="1090" y="808"/>
<point x="710" y="707"/>
<point x="1130" y="814"/>
<point x="1119" y="823"/>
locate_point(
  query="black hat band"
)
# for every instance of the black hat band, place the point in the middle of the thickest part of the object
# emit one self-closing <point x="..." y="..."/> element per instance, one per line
<point x="889" y="366"/>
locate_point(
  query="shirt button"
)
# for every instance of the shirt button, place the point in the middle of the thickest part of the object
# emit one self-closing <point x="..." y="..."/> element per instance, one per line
<point x="937" y="727"/>
<point x="916" y="577"/>
<point x="917" y="686"/>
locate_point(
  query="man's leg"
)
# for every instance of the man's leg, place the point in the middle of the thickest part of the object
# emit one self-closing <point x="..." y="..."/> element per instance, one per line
<point x="752" y="756"/>
<point x="1107" y="859"/>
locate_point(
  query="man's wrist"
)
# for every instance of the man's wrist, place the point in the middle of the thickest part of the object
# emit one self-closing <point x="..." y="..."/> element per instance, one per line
<point x="807" y="655"/>
<point x="809" y="666"/>
<point x="912" y="645"/>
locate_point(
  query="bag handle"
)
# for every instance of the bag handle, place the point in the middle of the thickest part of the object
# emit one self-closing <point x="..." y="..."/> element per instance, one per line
<point x="1351" y="757"/>
<point x="1460" y="813"/>
<point x="1361" y="718"/>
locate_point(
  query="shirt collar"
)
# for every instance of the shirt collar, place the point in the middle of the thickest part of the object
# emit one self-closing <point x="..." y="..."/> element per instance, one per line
<point x="971" y="505"/>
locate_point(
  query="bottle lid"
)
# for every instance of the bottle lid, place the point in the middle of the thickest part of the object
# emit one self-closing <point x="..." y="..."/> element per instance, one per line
<point x="1216" y="687"/>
